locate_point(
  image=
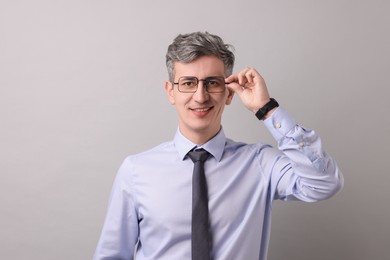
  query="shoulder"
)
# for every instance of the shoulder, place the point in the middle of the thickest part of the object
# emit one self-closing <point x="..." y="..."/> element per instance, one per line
<point x="155" y="152"/>
<point x="161" y="148"/>
<point x="152" y="157"/>
<point x="235" y="146"/>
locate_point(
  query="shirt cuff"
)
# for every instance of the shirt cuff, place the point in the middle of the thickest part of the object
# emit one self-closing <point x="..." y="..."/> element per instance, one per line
<point x="280" y="123"/>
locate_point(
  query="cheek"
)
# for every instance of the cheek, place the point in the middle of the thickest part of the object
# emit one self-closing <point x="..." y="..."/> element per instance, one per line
<point x="179" y="101"/>
<point x="221" y="105"/>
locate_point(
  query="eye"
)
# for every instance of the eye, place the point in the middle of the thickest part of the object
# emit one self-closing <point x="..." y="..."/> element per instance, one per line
<point x="212" y="83"/>
<point x="215" y="82"/>
<point x="188" y="83"/>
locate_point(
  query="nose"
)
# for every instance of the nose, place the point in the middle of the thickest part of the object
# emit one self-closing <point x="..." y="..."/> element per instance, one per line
<point x="201" y="95"/>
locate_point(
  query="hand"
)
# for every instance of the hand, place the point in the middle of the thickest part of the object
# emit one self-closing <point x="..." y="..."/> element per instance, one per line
<point x="250" y="87"/>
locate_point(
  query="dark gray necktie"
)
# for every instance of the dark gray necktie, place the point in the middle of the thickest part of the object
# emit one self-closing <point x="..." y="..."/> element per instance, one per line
<point x="200" y="237"/>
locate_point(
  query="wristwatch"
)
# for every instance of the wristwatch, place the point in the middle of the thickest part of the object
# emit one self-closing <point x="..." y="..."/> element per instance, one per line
<point x="266" y="108"/>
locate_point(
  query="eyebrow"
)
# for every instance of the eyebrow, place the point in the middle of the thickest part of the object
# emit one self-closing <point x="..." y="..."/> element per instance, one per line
<point x="210" y="77"/>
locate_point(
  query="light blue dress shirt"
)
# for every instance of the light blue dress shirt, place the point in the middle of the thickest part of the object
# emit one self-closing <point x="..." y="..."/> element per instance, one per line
<point x="151" y="197"/>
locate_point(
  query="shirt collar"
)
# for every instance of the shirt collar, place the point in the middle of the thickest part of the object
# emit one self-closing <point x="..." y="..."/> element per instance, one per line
<point x="215" y="146"/>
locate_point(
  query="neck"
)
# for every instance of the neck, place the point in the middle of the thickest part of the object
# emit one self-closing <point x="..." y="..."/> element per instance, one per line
<point x="200" y="138"/>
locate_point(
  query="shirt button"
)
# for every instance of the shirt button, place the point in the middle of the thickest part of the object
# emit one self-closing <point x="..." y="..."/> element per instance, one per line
<point x="301" y="144"/>
<point x="278" y="125"/>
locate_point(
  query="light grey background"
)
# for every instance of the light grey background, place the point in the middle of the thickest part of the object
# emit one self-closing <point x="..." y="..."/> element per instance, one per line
<point x="81" y="87"/>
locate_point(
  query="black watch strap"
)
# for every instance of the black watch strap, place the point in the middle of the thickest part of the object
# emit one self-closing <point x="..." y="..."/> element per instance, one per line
<point x="266" y="108"/>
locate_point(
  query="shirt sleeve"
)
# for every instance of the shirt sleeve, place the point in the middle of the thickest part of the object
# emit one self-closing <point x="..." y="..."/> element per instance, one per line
<point x="120" y="230"/>
<point x="300" y="169"/>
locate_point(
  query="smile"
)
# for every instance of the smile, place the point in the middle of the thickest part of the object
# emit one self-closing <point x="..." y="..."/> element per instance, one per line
<point x="201" y="109"/>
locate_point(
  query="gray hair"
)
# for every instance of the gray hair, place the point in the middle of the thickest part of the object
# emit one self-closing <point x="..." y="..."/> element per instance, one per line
<point x="188" y="47"/>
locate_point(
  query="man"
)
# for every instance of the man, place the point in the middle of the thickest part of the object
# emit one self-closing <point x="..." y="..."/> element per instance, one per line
<point x="152" y="204"/>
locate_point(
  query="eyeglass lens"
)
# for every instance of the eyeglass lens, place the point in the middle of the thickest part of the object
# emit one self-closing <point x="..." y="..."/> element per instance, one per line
<point x="212" y="84"/>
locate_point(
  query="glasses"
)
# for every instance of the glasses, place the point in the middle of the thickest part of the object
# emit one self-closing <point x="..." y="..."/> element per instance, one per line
<point x="211" y="84"/>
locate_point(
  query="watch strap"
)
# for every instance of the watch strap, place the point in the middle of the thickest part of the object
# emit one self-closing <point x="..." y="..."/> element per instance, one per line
<point x="266" y="108"/>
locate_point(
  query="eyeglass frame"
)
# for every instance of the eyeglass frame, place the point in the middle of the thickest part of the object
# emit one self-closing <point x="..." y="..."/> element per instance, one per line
<point x="205" y="83"/>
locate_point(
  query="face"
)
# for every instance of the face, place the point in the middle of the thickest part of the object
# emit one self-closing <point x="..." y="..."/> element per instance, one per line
<point x="199" y="113"/>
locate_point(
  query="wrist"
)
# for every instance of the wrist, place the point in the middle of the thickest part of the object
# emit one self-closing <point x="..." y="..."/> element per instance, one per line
<point x="265" y="111"/>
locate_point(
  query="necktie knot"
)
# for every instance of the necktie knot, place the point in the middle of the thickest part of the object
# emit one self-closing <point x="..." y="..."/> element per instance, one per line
<point x="199" y="155"/>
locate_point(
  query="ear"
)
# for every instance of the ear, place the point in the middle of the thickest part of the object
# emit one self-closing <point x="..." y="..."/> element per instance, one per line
<point x="229" y="97"/>
<point x="169" y="91"/>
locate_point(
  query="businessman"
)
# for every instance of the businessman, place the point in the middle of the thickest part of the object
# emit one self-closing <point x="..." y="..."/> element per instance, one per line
<point x="201" y="195"/>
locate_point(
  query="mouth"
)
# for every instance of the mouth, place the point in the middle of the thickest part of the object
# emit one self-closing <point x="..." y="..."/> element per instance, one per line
<point x="201" y="111"/>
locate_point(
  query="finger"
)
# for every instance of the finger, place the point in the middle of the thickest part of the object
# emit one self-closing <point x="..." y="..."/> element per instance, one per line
<point x="237" y="78"/>
<point x="242" y="76"/>
<point x="249" y="75"/>
<point x="232" y="78"/>
<point x="237" y="88"/>
<point x="256" y="76"/>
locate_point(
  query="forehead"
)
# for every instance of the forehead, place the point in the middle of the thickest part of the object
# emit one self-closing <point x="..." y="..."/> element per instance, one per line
<point x="204" y="66"/>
